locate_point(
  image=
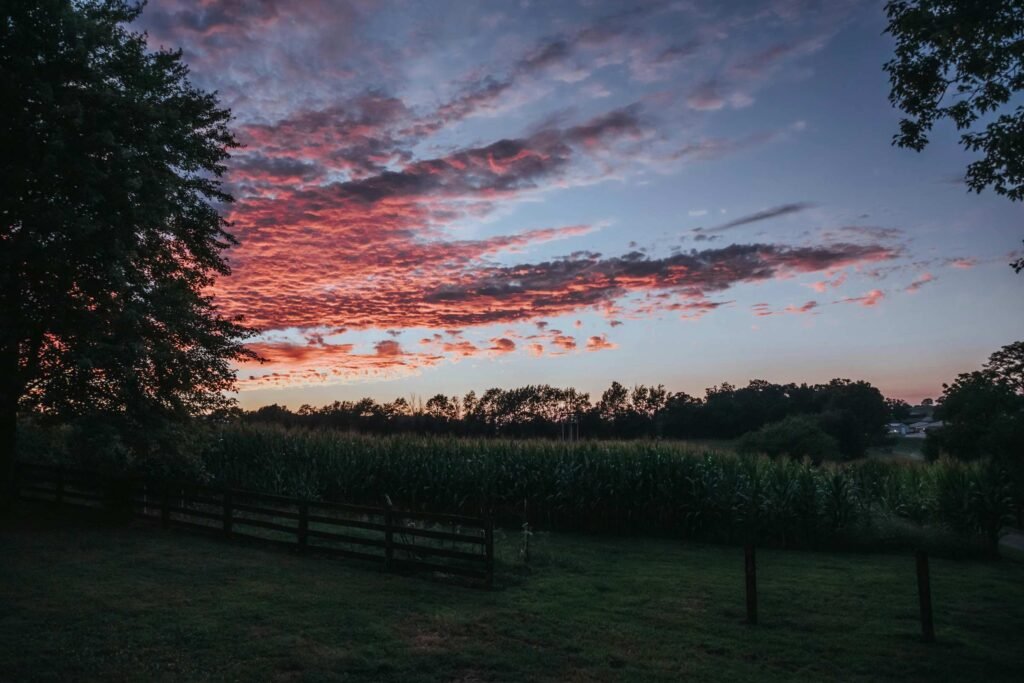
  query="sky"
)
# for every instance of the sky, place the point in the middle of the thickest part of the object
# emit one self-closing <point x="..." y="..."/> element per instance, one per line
<point x="434" y="197"/>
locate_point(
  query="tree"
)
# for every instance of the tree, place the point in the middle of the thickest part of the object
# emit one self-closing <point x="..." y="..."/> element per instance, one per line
<point x="981" y="418"/>
<point x="963" y="61"/>
<point x="983" y="411"/>
<point x="614" y="403"/>
<point x="797" y="436"/>
<point x="1007" y="366"/>
<point x="898" y="409"/>
<point x="854" y="413"/>
<point x="443" y="409"/>
<point x="110" y="234"/>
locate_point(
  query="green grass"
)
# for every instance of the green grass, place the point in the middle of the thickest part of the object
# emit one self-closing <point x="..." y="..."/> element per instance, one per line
<point x="84" y="599"/>
<point x="905" y="448"/>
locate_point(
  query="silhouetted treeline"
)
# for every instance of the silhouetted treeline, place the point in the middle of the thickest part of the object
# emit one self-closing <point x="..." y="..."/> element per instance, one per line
<point x="853" y="413"/>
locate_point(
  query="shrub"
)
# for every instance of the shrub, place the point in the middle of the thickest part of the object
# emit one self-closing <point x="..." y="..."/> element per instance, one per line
<point x="797" y="436"/>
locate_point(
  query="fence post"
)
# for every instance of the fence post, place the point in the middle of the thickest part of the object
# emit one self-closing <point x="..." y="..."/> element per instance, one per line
<point x="303" y="526"/>
<point x="750" y="569"/>
<point x="489" y="549"/>
<point x="59" y="494"/>
<point x="165" y="504"/>
<point x="227" y="512"/>
<point x="924" y="596"/>
<point x="389" y="550"/>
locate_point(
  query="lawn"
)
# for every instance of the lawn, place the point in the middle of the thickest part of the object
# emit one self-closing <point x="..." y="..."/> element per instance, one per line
<point x="86" y="599"/>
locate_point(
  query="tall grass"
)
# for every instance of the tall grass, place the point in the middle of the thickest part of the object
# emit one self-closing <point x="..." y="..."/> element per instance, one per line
<point x="637" y="486"/>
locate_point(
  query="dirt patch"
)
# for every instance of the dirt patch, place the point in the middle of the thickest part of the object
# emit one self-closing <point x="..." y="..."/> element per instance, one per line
<point x="429" y="641"/>
<point x="435" y="634"/>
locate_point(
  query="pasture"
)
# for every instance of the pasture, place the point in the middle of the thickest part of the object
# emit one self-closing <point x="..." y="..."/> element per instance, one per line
<point x="84" y="599"/>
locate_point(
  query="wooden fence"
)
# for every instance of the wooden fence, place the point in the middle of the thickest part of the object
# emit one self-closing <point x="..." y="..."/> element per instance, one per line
<point x="392" y="538"/>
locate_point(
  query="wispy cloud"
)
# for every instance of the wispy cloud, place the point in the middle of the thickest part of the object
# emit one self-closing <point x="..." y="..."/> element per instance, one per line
<point x="870" y="299"/>
<point x="767" y="214"/>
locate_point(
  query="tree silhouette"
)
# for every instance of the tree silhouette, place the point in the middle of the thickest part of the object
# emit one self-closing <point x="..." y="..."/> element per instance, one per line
<point x="110" y="234"/>
<point x="851" y="414"/>
<point x="963" y="61"/>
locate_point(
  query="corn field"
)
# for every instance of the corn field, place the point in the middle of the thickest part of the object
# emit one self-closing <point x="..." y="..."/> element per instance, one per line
<point x="638" y="487"/>
<point x="631" y="486"/>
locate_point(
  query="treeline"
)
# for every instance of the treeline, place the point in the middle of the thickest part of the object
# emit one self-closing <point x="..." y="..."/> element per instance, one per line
<point x="838" y="419"/>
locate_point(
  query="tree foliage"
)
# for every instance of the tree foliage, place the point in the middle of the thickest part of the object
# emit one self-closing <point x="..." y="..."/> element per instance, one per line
<point x="110" y="235"/>
<point x="850" y="415"/>
<point x="797" y="436"/>
<point x="983" y="411"/>
<point x="963" y="60"/>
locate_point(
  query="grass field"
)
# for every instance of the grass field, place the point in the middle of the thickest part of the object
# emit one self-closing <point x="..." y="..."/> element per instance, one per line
<point x="904" y="448"/>
<point x="85" y="599"/>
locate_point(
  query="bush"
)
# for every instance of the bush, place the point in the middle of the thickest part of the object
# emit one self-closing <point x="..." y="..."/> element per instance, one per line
<point x="797" y="436"/>
<point x="116" y="446"/>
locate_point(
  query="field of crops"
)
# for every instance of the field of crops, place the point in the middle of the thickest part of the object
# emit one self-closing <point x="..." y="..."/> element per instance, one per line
<point x="637" y="486"/>
<point x="656" y="487"/>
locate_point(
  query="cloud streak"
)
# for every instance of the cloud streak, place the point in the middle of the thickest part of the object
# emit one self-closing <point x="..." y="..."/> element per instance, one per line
<point x="767" y="214"/>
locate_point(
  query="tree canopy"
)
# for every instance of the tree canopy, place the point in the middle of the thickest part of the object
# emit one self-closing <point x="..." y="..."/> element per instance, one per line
<point x="983" y="411"/>
<point x="851" y="415"/>
<point x="963" y="60"/>
<point x="110" y="231"/>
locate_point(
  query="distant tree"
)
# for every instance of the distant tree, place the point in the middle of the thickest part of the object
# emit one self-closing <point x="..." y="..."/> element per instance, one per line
<point x="927" y="402"/>
<point x="898" y="409"/>
<point x="109" y="226"/>
<point x="963" y="60"/>
<point x="854" y="413"/>
<point x="681" y="416"/>
<point x="274" y="413"/>
<point x="440" y="407"/>
<point x="797" y="436"/>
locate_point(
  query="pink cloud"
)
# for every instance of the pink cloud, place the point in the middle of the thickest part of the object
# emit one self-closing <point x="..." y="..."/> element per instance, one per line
<point x="599" y="343"/>
<point x="501" y="345"/>
<point x="870" y="299"/>
<point x="920" y="282"/>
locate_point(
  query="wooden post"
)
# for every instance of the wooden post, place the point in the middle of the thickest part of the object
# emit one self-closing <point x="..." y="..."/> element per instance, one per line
<point x="227" y="512"/>
<point x="750" y="567"/>
<point x="303" y="526"/>
<point x="924" y="596"/>
<point x="489" y="549"/>
<point x="59" y="495"/>
<point x="165" y="505"/>
<point x="389" y="550"/>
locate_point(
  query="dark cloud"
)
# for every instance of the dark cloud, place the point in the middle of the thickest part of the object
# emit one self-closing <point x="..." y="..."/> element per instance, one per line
<point x="767" y="214"/>
<point x="504" y="166"/>
<point x="254" y="167"/>
<point x="556" y="287"/>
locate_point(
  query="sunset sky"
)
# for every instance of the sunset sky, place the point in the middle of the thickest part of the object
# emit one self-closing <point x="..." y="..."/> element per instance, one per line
<point x="444" y="196"/>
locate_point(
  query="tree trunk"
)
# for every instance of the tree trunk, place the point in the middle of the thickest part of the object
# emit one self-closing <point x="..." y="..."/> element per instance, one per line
<point x="8" y="426"/>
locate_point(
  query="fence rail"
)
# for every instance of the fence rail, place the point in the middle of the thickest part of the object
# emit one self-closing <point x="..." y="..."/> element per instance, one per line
<point x="395" y="539"/>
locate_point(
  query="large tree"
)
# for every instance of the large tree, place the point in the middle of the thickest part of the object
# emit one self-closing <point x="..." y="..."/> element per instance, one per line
<point x="963" y="60"/>
<point x="983" y="411"/>
<point x="110" y="235"/>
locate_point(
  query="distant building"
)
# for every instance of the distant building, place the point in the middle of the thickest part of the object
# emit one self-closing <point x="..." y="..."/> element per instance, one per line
<point x="898" y="428"/>
<point x="921" y="428"/>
